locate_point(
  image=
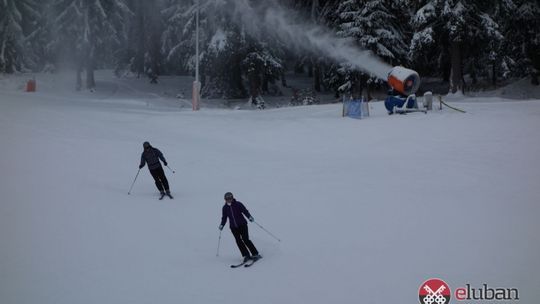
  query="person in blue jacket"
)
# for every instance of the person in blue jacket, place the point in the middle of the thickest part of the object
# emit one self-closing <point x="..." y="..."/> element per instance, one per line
<point x="236" y="212"/>
<point x="151" y="156"/>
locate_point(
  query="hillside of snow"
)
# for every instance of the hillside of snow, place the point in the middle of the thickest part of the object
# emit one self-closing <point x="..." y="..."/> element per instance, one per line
<point x="366" y="210"/>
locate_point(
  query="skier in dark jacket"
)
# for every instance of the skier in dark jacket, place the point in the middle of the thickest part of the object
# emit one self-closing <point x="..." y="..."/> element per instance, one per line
<point x="235" y="212"/>
<point x="151" y="156"/>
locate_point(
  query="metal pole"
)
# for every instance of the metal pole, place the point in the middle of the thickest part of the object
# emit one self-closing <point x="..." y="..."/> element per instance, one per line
<point x="197" y="43"/>
<point x="196" y="94"/>
<point x="267" y="231"/>
<point x="219" y="242"/>
<point x="129" y="192"/>
<point x="170" y="169"/>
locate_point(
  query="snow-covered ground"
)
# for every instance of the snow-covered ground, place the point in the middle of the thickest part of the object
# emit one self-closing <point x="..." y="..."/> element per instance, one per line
<point x="366" y="210"/>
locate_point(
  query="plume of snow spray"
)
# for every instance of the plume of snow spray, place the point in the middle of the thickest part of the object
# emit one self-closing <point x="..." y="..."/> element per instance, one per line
<point x="273" y="19"/>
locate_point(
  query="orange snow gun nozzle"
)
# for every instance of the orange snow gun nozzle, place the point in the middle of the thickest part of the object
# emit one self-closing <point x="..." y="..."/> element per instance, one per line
<point x="403" y="80"/>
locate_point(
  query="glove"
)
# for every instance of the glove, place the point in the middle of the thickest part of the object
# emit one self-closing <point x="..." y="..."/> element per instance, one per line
<point x="140" y="167"/>
<point x="165" y="163"/>
<point x="220" y="227"/>
<point x="251" y="219"/>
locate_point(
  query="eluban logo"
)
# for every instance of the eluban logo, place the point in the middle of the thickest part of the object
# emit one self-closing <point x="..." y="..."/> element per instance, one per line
<point x="434" y="291"/>
<point x="486" y="293"/>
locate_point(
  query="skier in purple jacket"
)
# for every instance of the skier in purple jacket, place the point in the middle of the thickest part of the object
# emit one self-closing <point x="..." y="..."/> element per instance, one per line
<point x="235" y="212"/>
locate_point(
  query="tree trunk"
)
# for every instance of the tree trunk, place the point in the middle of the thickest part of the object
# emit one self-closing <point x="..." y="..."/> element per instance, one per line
<point x="317" y="77"/>
<point x="265" y="83"/>
<point x="494" y="74"/>
<point x="284" y="80"/>
<point x="456" y="71"/>
<point x="254" y="85"/>
<point x="444" y="65"/>
<point x="78" y="86"/>
<point x="235" y="80"/>
<point x="89" y="47"/>
<point x="315" y="67"/>
<point x="138" y="64"/>
<point x="299" y="67"/>
<point x="154" y="38"/>
<point x="90" y="80"/>
<point x="534" y="78"/>
<point x="474" y="77"/>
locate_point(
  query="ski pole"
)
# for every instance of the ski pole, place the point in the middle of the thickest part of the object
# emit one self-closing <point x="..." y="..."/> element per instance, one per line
<point x="170" y="169"/>
<point x="129" y="192"/>
<point x="267" y="231"/>
<point x="218" y="243"/>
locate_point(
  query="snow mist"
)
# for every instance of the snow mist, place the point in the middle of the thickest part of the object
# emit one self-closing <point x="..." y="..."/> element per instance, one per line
<point x="271" y="18"/>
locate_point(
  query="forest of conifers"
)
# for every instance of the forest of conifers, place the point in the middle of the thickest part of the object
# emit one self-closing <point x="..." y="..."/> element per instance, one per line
<point x="245" y="45"/>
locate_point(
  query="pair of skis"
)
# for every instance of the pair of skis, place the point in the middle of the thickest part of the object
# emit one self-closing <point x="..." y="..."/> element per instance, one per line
<point x="247" y="263"/>
<point x="163" y="195"/>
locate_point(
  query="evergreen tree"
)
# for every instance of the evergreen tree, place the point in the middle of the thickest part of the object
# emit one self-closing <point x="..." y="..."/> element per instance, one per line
<point x="503" y="14"/>
<point x="522" y="39"/>
<point x="312" y="11"/>
<point x="221" y="63"/>
<point x="428" y="45"/>
<point x="489" y="59"/>
<point x="371" y="24"/>
<point x="230" y="55"/>
<point x="178" y="39"/>
<point x="143" y="53"/>
<point x="90" y="32"/>
<point x="19" y="22"/>
<point x="446" y="32"/>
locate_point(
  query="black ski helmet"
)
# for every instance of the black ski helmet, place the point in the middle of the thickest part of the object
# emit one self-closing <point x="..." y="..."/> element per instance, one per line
<point x="146" y="144"/>
<point x="228" y="195"/>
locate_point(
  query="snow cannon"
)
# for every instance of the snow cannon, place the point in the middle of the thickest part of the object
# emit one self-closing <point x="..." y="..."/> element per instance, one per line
<point x="405" y="81"/>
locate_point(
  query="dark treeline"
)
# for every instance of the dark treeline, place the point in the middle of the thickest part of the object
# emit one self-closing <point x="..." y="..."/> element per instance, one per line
<point x="461" y="43"/>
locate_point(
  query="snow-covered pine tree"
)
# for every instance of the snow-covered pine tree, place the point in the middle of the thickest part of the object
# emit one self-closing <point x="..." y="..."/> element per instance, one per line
<point x="222" y="46"/>
<point x="427" y="45"/>
<point x="143" y="51"/>
<point x="489" y="59"/>
<point x="334" y="75"/>
<point x="260" y="67"/>
<point x="89" y="33"/>
<point x="228" y="52"/>
<point x="372" y="26"/>
<point x="221" y="63"/>
<point x="502" y="12"/>
<point x="469" y="31"/>
<point x="19" y="21"/>
<point x="522" y="39"/>
<point x="491" y="55"/>
<point x="178" y="39"/>
<point x="232" y="58"/>
<point x="312" y="11"/>
<point x="455" y="27"/>
<point x="452" y="33"/>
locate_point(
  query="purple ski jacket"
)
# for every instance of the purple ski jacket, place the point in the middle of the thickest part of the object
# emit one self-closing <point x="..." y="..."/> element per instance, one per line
<point x="235" y="213"/>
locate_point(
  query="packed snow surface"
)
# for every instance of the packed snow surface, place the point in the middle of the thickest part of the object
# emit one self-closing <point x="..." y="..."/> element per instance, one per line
<point x="366" y="210"/>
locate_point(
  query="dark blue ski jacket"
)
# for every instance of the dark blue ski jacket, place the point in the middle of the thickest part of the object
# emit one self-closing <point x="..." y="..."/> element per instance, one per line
<point x="235" y="213"/>
<point x="151" y="156"/>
